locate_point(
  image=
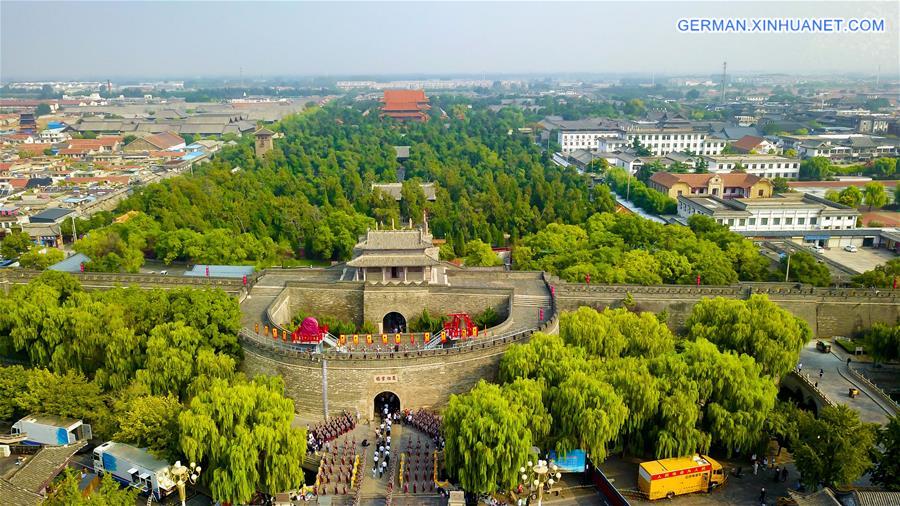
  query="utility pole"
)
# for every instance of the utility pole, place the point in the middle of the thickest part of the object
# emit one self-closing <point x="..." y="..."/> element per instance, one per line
<point x="74" y="233"/>
<point x="787" y="271"/>
<point x="724" y="76"/>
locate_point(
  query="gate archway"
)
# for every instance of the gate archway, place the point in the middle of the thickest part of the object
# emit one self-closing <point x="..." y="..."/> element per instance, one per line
<point x="386" y="400"/>
<point x="393" y="323"/>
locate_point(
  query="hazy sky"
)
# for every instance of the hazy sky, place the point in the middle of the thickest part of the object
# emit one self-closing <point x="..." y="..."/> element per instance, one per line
<point x="99" y="40"/>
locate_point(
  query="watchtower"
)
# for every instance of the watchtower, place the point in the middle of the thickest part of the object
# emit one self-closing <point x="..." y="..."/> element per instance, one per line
<point x="264" y="142"/>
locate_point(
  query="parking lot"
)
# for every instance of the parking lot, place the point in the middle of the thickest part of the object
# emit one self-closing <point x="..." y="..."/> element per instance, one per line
<point x="865" y="259"/>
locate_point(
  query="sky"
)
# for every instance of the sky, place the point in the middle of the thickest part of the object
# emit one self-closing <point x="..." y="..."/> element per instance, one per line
<point x="185" y="40"/>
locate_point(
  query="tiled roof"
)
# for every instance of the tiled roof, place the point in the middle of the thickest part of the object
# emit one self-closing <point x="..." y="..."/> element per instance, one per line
<point x="402" y="260"/>
<point x="40" y="470"/>
<point x="875" y="498"/>
<point x="405" y="96"/>
<point x="730" y="179"/>
<point x="395" y="240"/>
<point x="18" y="496"/>
<point x="748" y="142"/>
<point x="164" y="140"/>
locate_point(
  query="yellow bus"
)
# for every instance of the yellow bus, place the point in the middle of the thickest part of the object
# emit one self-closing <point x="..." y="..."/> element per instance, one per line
<point x="680" y="475"/>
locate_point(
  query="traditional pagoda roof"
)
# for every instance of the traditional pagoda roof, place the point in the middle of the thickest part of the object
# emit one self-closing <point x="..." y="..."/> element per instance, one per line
<point x="263" y="132"/>
<point x="395" y="248"/>
<point x="391" y="240"/>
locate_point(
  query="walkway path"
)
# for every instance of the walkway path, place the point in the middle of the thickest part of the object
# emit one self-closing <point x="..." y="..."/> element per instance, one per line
<point x="836" y="382"/>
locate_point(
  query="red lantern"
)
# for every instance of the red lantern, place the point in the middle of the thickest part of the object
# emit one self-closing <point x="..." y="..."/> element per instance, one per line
<point x="427" y="336"/>
<point x="397" y="338"/>
<point x="384" y="339"/>
<point x="412" y="339"/>
<point x="369" y="339"/>
<point x="698" y="280"/>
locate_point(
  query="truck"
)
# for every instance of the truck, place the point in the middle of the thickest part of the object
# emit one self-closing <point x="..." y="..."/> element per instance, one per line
<point x="51" y="430"/>
<point x="135" y="467"/>
<point x="680" y="475"/>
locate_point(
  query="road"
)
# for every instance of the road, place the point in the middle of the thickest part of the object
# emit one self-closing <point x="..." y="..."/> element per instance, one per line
<point x="836" y="382"/>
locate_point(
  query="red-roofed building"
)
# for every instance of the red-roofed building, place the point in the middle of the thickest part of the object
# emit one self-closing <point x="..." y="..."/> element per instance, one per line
<point x="727" y="186"/>
<point x="405" y="105"/>
<point x="34" y="149"/>
<point x="753" y="144"/>
<point x="100" y="144"/>
<point x="159" y="142"/>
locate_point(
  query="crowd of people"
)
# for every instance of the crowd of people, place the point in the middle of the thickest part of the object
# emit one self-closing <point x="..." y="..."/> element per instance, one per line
<point x="336" y="469"/>
<point x="418" y="468"/>
<point x="320" y="437"/>
<point x="427" y="422"/>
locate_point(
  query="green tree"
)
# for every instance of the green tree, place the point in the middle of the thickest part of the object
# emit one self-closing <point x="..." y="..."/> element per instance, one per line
<point x="241" y="433"/>
<point x="479" y="254"/>
<point x="883" y="342"/>
<point x="692" y="94"/>
<point x="66" y="492"/>
<point x="757" y="327"/>
<point x="14" y="244"/>
<point x="588" y="414"/>
<point x="487" y="439"/>
<point x="42" y="110"/>
<point x="887" y="455"/>
<point x="780" y="185"/>
<point x="151" y="421"/>
<point x="806" y="269"/>
<point x="874" y="195"/>
<point x="817" y="168"/>
<point x="881" y="276"/>
<point x="833" y="449"/>
<point x="39" y="258"/>
<point x="616" y="332"/>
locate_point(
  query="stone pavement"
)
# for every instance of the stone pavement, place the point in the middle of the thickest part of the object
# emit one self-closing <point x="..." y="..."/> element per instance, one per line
<point x="374" y="490"/>
<point x="836" y="382"/>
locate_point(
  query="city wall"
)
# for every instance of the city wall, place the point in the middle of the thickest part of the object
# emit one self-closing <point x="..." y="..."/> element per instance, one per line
<point x="359" y="301"/>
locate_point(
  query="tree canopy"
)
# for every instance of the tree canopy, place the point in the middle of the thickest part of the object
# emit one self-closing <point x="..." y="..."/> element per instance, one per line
<point x="833" y="449"/>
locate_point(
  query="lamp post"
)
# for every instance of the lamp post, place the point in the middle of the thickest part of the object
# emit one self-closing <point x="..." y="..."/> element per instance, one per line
<point x="184" y="475"/>
<point x="536" y="475"/>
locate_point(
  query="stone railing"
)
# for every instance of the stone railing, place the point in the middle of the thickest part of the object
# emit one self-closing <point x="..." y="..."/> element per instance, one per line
<point x="309" y="352"/>
<point x="875" y="388"/>
<point x="806" y="380"/>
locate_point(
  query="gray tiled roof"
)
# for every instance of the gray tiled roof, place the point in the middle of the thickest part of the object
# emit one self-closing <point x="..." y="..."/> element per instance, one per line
<point x="40" y="470"/>
<point x="18" y="496"/>
<point x="395" y="240"/>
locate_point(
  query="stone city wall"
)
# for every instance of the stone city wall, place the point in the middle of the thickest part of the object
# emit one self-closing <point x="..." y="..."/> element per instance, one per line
<point x="829" y="311"/>
<point x="104" y="281"/>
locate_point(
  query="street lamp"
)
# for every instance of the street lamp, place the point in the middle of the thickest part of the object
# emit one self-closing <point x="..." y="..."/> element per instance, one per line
<point x="184" y="475"/>
<point x="541" y="474"/>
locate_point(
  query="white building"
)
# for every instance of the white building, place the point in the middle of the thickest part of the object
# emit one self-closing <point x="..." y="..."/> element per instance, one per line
<point x="785" y="212"/>
<point x="661" y="142"/>
<point x="768" y="166"/>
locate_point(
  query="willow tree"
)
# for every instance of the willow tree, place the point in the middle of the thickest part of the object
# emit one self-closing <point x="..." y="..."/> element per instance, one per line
<point x="616" y="332"/>
<point x="241" y="433"/>
<point x="545" y="356"/>
<point x="487" y="439"/>
<point x="757" y="327"/>
<point x="588" y="414"/>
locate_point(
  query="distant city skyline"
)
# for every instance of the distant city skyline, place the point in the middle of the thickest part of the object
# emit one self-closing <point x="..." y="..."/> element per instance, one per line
<point x="193" y="40"/>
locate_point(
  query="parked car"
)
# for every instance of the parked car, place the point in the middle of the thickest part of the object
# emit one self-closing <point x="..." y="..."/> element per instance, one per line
<point x="851" y="248"/>
<point x="823" y="346"/>
<point x="818" y="249"/>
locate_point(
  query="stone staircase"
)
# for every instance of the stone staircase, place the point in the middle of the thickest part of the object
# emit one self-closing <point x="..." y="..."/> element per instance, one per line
<point x="531" y="301"/>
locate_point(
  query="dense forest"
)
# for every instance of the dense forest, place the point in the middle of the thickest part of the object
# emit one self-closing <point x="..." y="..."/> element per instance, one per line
<point x="311" y="197"/>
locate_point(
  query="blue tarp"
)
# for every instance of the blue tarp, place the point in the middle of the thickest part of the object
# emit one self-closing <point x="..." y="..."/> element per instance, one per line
<point x="572" y="462"/>
<point x="222" y="271"/>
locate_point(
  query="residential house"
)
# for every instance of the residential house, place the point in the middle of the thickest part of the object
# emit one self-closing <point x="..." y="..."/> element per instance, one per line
<point x="753" y="144"/>
<point x="767" y="166"/>
<point x="727" y="185"/>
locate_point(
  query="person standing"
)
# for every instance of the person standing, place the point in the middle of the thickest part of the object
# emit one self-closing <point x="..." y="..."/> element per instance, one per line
<point x="755" y="467"/>
<point x="821" y="372"/>
<point x="765" y="462"/>
<point x="762" y="496"/>
<point x="784" y="474"/>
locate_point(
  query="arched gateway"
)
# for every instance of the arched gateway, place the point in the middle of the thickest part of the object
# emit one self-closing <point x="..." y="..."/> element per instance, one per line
<point x="394" y="322"/>
<point x="386" y="401"/>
